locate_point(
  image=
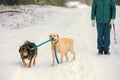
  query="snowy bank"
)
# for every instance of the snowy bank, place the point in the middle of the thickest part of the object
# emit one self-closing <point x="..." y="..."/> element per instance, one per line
<point x="35" y="23"/>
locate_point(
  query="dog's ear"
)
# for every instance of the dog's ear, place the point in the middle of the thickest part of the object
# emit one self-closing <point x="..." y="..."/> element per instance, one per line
<point x="28" y="47"/>
<point x="57" y="35"/>
<point x="50" y="36"/>
<point x="20" y="49"/>
<point x="20" y="46"/>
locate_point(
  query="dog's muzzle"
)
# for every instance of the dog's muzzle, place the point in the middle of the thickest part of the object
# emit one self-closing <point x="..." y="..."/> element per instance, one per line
<point x="52" y="39"/>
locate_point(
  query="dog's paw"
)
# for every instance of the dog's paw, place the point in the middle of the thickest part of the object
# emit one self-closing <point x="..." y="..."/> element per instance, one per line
<point x="52" y="64"/>
<point x="73" y="58"/>
<point x="66" y="60"/>
<point x="34" y="62"/>
<point x="29" y="66"/>
<point x="24" y="64"/>
<point x="61" y="62"/>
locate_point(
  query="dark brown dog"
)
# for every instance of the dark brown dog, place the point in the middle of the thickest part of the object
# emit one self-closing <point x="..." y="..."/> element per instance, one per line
<point x="27" y="52"/>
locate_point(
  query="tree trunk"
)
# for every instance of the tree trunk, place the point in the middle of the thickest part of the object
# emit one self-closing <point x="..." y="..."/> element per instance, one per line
<point x="117" y="2"/>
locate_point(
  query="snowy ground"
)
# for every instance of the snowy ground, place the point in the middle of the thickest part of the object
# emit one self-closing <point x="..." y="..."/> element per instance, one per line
<point x="35" y="23"/>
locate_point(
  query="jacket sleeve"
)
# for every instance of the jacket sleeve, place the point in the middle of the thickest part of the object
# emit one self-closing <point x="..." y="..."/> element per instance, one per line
<point x="113" y="9"/>
<point x="93" y="11"/>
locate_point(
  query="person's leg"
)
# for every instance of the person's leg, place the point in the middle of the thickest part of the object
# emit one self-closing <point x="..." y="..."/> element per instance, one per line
<point x="106" y="38"/>
<point x="100" y="42"/>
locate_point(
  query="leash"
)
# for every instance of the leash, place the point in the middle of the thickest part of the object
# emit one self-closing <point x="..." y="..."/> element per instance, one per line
<point x="41" y="44"/>
<point x="54" y="49"/>
<point x="56" y="54"/>
<point x="114" y="34"/>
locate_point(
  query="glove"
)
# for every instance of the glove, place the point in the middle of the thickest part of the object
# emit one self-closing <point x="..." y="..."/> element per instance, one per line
<point x="112" y="21"/>
<point x="93" y="23"/>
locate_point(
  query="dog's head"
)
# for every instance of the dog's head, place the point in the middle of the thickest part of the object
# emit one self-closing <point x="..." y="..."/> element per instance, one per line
<point x="24" y="49"/>
<point x="54" y="37"/>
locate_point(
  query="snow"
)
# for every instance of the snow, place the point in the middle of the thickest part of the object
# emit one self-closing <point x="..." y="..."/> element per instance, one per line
<point x="75" y="4"/>
<point x="35" y="23"/>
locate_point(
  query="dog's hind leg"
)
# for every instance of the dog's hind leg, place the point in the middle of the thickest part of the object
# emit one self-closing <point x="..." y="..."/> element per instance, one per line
<point x="66" y="55"/>
<point x="73" y="55"/>
<point x="73" y="52"/>
<point x="34" y="61"/>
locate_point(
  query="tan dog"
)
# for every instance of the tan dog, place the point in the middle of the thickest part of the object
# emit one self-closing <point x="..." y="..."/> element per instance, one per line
<point x="63" y="45"/>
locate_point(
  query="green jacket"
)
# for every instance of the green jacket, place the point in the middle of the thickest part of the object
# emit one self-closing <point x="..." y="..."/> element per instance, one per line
<point x="103" y="11"/>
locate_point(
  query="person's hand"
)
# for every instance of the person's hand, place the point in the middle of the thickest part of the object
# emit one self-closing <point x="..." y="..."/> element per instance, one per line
<point x="112" y="21"/>
<point x="93" y="23"/>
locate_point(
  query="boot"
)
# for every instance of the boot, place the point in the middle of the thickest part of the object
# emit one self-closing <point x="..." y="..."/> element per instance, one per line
<point x="100" y="52"/>
<point x="107" y="52"/>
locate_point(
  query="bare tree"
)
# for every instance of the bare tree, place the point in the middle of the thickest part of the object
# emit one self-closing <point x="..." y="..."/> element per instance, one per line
<point x="117" y="2"/>
<point x="88" y="2"/>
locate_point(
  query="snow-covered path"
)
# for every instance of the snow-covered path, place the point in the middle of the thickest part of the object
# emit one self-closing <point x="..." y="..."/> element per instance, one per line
<point x="73" y="23"/>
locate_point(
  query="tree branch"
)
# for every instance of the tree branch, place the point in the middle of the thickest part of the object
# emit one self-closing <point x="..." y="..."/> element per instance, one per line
<point x="16" y="11"/>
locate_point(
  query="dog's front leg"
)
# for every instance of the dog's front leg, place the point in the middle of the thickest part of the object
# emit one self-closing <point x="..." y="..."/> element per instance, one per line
<point x="53" y="58"/>
<point x="23" y="60"/>
<point x="30" y="63"/>
<point x="34" y="62"/>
